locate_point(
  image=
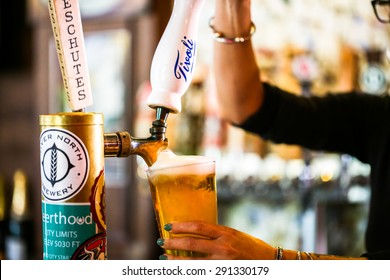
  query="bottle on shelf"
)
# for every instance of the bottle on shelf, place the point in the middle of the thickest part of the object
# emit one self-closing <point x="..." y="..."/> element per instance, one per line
<point x="19" y="241"/>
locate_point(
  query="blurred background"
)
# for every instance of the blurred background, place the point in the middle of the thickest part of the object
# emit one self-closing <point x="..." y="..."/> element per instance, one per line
<point x="286" y="195"/>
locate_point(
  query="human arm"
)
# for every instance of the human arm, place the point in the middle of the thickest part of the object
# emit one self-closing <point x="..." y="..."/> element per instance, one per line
<point x="238" y="83"/>
<point x="223" y="243"/>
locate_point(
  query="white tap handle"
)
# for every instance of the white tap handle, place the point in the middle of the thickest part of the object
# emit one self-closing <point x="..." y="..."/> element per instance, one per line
<point x="174" y="60"/>
<point x="69" y="40"/>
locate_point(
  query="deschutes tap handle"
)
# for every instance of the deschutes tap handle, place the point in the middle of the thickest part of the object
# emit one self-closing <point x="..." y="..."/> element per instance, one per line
<point x="69" y="40"/>
<point x="174" y="60"/>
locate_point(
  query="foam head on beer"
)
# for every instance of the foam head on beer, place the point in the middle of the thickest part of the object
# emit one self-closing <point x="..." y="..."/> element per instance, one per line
<point x="168" y="160"/>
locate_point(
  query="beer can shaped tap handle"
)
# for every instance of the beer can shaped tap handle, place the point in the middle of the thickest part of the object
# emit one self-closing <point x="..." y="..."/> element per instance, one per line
<point x="174" y="59"/>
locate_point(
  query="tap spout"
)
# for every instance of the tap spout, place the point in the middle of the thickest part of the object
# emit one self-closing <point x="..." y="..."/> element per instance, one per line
<point x="122" y="144"/>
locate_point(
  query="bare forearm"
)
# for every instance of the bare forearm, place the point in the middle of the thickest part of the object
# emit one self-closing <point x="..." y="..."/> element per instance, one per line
<point x="237" y="74"/>
<point x="224" y="243"/>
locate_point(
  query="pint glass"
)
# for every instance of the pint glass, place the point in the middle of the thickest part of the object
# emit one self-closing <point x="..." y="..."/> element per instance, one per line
<point x="183" y="188"/>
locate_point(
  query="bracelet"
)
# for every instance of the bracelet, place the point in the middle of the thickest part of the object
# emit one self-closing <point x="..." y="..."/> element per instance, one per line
<point x="299" y="256"/>
<point x="220" y="38"/>
<point x="279" y="253"/>
<point x="309" y="256"/>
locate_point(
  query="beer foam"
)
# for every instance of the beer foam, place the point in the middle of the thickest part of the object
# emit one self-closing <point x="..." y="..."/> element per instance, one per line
<point x="167" y="159"/>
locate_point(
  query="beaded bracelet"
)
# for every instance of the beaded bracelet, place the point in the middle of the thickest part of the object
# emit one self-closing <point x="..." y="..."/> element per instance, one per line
<point x="279" y="253"/>
<point x="220" y="38"/>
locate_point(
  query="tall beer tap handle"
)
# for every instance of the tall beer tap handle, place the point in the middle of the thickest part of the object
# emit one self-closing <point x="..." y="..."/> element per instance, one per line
<point x="69" y="41"/>
<point x="174" y="60"/>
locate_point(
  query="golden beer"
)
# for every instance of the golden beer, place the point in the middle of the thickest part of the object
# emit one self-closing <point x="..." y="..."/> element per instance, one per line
<point x="183" y="188"/>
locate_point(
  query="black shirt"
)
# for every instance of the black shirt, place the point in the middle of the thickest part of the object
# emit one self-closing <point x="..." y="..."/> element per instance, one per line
<point x="351" y="123"/>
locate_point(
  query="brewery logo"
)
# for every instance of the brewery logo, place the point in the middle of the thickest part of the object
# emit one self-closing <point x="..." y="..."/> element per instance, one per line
<point x="64" y="164"/>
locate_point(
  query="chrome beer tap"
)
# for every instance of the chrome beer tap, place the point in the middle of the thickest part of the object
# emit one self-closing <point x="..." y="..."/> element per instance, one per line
<point x="171" y="74"/>
<point x="122" y="144"/>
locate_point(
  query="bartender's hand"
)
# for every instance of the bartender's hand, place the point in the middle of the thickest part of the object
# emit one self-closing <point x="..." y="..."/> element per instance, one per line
<point x="222" y="243"/>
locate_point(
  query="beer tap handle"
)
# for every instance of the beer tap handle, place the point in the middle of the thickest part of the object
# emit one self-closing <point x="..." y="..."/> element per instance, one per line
<point x="174" y="59"/>
<point x="69" y="41"/>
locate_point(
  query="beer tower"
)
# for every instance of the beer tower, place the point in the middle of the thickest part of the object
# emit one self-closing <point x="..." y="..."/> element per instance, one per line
<point x="73" y="144"/>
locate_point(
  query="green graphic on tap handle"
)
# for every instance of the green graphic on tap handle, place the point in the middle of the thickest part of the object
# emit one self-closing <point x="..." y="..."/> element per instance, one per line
<point x="65" y="228"/>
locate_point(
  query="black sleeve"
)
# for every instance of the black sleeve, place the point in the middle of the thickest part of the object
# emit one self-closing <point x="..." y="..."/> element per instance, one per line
<point x="345" y="123"/>
<point x="380" y="255"/>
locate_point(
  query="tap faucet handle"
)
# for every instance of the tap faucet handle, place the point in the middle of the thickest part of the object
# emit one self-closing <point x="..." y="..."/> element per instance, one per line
<point x="174" y="59"/>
